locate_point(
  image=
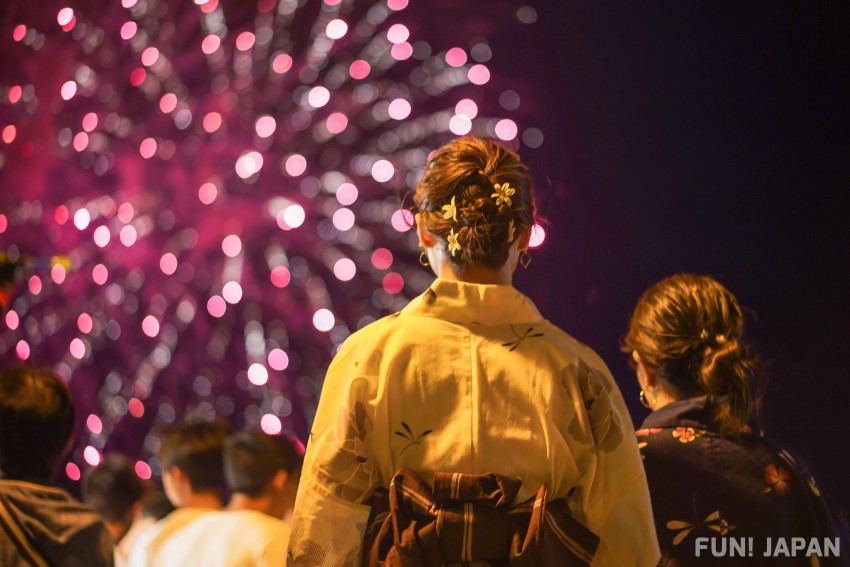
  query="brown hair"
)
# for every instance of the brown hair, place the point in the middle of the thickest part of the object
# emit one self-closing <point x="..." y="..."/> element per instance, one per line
<point x="197" y="448"/>
<point x="468" y="169"/>
<point x="687" y="329"/>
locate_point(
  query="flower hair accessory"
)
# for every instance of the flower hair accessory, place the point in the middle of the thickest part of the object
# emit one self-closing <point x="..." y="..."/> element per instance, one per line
<point x="454" y="245"/>
<point x="503" y="193"/>
<point x="450" y="210"/>
<point x="511" y="231"/>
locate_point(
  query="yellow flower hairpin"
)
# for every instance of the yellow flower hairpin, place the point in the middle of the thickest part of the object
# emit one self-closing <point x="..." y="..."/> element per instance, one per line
<point x="511" y="231"/>
<point x="503" y="193"/>
<point x="454" y="245"/>
<point x="450" y="210"/>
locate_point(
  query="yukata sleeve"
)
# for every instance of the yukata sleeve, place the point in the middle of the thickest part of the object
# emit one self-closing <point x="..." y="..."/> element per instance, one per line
<point x="339" y="472"/>
<point x="612" y="495"/>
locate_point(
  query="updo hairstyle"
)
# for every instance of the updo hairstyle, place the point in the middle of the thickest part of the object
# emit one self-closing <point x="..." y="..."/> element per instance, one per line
<point x="469" y="169"/>
<point x="687" y="329"/>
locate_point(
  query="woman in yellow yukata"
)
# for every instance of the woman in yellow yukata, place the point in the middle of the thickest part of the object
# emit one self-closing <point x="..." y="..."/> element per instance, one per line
<point x="467" y="428"/>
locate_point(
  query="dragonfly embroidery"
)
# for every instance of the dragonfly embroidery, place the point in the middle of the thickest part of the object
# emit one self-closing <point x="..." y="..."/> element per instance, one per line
<point x="520" y="338"/>
<point x="412" y="439"/>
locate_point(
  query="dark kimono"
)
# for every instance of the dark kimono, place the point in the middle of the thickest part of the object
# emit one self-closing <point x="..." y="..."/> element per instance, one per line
<point x="725" y="501"/>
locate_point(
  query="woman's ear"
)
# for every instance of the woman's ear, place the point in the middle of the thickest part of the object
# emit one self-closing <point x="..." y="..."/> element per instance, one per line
<point x="646" y="376"/>
<point x="426" y="239"/>
<point x="524" y="238"/>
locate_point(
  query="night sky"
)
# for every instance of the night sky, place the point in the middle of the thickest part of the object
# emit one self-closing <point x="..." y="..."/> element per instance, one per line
<point x="701" y="137"/>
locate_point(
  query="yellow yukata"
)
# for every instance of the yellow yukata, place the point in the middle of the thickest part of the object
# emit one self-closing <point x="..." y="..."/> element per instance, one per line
<point x="470" y="378"/>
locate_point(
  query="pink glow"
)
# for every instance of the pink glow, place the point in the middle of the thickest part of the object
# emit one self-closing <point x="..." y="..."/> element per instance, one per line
<point x="4" y="222"/>
<point x="212" y="122"/>
<point x="99" y="274"/>
<point x="147" y="148"/>
<point x="34" y="285"/>
<point x="72" y="471"/>
<point x="280" y="277"/>
<point x="168" y="263"/>
<point x="149" y="56"/>
<point x="401" y="51"/>
<point x="479" y="74"/>
<point x="245" y="41"/>
<point x="336" y="29"/>
<point x="467" y="107"/>
<point x="207" y="193"/>
<point x="282" y="63"/>
<point x="128" y="30"/>
<point x="506" y="129"/>
<point x="231" y="245"/>
<point x="271" y="424"/>
<point x="150" y="326"/>
<point x="318" y="97"/>
<point x="538" y="235"/>
<point x="65" y="16"/>
<point x="393" y="283"/>
<point x="91" y="455"/>
<point x="293" y="217"/>
<point x="143" y="470"/>
<point x="12" y="320"/>
<point x="19" y="32"/>
<point x="324" y="320"/>
<point x="128" y="235"/>
<point x="60" y="215"/>
<point x="9" y="133"/>
<point x="94" y="424"/>
<point x="136" y="407"/>
<point x="382" y="258"/>
<point x="77" y="348"/>
<point x="343" y="219"/>
<point x="344" y="269"/>
<point x="382" y="170"/>
<point x="89" y="121"/>
<point x="69" y="89"/>
<point x="85" y="323"/>
<point x="137" y="76"/>
<point x="257" y="374"/>
<point x="398" y="33"/>
<point x="460" y="124"/>
<point x="82" y="218"/>
<point x="102" y="236"/>
<point x="81" y="141"/>
<point x="337" y="122"/>
<point x="22" y="349"/>
<point x="278" y="359"/>
<point x="397" y="4"/>
<point x="399" y="109"/>
<point x="15" y="93"/>
<point x="232" y="292"/>
<point x="168" y="102"/>
<point x="248" y="164"/>
<point x="216" y="306"/>
<point x="295" y="165"/>
<point x="126" y="212"/>
<point x="210" y="44"/>
<point x="359" y="69"/>
<point x="402" y="220"/>
<point x="456" y="57"/>
<point x="346" y="194"/>
<point x="265" y="126"/>
<point x="58" y="273"/>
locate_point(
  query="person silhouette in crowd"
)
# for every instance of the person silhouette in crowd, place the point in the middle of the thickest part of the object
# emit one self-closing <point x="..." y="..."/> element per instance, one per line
<point x="40" y="523"/>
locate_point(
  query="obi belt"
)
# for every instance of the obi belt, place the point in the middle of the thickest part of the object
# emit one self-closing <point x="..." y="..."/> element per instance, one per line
<point x="471" y="520"/>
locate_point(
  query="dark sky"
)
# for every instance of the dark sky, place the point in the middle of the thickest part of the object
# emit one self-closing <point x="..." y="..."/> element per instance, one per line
<point x="709" y="138"/>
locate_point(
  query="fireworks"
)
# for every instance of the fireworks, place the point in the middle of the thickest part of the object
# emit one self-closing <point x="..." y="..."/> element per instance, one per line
<point x="200" y="202"/>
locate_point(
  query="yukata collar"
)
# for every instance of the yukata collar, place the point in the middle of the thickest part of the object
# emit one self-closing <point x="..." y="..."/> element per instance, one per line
<point x="468" y="303"/>
<point x="692" y="412"/>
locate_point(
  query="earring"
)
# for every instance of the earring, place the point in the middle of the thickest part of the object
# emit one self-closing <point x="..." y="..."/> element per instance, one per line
<point x="524" y="258"/>
<point x="423" y="258"/>
<point x="643" y="401"/>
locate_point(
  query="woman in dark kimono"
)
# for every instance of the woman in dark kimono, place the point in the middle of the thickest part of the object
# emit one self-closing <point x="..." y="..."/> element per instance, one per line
<point x="721" y="494"/>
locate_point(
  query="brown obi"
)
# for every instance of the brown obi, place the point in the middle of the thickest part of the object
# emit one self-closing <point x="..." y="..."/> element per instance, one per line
<point x="471" y="519"/>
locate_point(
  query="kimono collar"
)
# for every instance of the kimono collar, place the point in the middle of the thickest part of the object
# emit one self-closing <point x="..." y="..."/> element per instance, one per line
<point x="692" y="412"/>
<point x="467" y="303"/>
